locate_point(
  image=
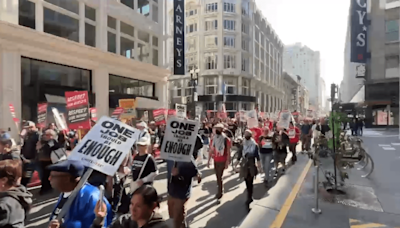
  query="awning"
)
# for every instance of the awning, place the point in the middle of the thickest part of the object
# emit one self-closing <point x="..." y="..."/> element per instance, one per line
<point x="147" y="103"/>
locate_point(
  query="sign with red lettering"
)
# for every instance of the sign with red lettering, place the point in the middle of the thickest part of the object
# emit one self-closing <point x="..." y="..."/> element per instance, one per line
<point x="78" y="115"/>
<point x="159" y="116"/>
<point x="117" y="113"/>
<point x="93" y="114"/>
<point x="42" y="115"/>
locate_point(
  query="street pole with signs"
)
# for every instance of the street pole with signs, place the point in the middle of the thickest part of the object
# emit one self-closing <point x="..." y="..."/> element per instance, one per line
<point x="194" y="76"/>
<point x="333" y="95"/>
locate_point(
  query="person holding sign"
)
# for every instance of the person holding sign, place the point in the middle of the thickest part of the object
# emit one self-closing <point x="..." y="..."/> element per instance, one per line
<point x="280" y="141"/>
<point x="64" y="177"/>
<point x="294" y="137"/>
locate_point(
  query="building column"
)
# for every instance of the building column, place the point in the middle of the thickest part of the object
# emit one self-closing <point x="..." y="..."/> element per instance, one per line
<point x="39" y="21"/>
<point x="9" y="11"/>
<point x="101" y="27"/>
<point x="161" y="92"/>
<point x="100" y="82"/>
<point x="10" y="88"/>
<point x="82" y="22"/>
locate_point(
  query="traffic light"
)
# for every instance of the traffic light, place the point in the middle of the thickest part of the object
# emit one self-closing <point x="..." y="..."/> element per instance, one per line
<point x="333" y="92"/>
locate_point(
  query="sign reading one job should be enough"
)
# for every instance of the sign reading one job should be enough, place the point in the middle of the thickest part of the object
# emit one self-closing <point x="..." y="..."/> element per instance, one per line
<point x="106" y="145"/>
<point x="179" y="139"/>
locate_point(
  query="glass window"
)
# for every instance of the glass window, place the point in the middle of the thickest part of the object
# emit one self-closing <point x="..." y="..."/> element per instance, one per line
<point x="27" y="15"/>
<point x="211" y="7"/>
<point x="90" y="35"/>
<point x="128" y="3"/>
<point x="143" y="7"/>
<point x="127" y="29"/>
<point x="70" y="5"/>
<point x="155" y="41"/>
<point x="210" y="106"/>
<point x="60" y="25"/>
<point x="144" y="36"/>
<point x="112" y="42"/>
<point x="90" y="13"/>
<point x="143" y="53"/>
<point x="127" y="48"/>
<point x="231" y="106"/>
<point x="392" y="30"/>
<point x="112" y="23"/>
<point x="122" y="85"/>
<point x="154" y="13"/>
<point x="155" y="57"/>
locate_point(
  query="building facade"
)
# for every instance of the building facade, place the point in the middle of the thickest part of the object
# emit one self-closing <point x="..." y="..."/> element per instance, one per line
<point x="381" y="82"/>
<point x="113" y="49"/>
<point x="324" y="98"/>
<point x="237" y="53"/>
<point x="300" y="60"/>
<point x="291" y="90"/>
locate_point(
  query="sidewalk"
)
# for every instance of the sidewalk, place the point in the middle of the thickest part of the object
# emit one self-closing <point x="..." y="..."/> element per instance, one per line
<point x="368" y="203"/>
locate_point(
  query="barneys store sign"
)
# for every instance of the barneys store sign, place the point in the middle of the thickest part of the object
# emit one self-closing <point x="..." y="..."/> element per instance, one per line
<point x="179" y="37"/>
<point x="358" y="31"/>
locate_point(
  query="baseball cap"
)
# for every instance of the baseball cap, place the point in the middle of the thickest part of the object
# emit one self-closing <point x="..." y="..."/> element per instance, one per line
<point x="29" y="124"/>
<point x="144" y="141"/>
<point x="73" y="167"/>
<point x="142" y="124"/>
<point x="152" y="122"/>
<point x="219" y="125"/>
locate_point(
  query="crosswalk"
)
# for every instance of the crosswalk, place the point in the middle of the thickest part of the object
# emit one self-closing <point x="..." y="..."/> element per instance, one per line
<point x="390" y="146"/>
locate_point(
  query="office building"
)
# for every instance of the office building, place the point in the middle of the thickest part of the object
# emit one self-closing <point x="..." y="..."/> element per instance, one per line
<point x="233" y="47"/>
<point x="113" y="49"/>
<point x="301" y="60"/>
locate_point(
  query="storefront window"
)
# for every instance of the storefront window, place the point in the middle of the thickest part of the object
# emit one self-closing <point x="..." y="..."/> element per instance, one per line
<point x="122" y="85"/>
<point x="39" y="79"/>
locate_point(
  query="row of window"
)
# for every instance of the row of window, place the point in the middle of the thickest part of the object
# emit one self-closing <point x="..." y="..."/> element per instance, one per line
<point x="145" y="7"/>
<point x="139" y="44"/>
<point x="229" y="8"/>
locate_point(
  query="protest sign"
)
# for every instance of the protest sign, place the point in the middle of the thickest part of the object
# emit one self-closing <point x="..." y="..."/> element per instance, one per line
<point x="171" y="113"/>
<point x="310" y="113"/>
<point x="78" y="115"/>
<point x="59" y="119"/>
<point x="12" y="111"/>
<point x="284" y="119"/>
<point x="117" y="113"/>
<point x="106" y="145"/>
<point x="159" y="116"/>
<point x="179" y="139"/>
<point x="129" y="106"/>
<point x="180" y="110"/>
<point x="145" y="116"/>
<point x="42" y="115"/>
<point x="93" y="114"/>
<point x="252" y="120"/>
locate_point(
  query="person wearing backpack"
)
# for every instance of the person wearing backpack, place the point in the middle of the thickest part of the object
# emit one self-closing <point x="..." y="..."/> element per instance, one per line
<point x="220" y="151"/>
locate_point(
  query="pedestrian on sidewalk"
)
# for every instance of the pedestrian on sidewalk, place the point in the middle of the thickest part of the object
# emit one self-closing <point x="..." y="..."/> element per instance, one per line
<point x="294" y="136"/>
<point x="249" y="163"/>
<point x="220" y="151"/>
<point x="266" y="153"/>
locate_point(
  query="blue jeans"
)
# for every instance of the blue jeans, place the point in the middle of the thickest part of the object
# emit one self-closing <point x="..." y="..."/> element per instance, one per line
<point x="266" y="163"/>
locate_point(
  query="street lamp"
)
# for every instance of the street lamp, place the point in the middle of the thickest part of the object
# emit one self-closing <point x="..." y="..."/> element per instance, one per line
<point x="194" y="76"/>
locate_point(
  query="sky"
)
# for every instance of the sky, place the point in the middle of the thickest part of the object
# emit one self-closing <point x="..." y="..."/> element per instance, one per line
<point x="318" y="24"/>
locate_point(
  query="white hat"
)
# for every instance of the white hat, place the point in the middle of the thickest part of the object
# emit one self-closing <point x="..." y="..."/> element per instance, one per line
<point x="219" y="125"/>
<point x="144" y="141"/>
<point x="142" y="124"/>
<point x="29" y="124"/>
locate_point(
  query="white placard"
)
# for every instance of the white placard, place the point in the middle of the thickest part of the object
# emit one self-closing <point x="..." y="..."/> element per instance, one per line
<point x="106" y="145"/>
<point x="252" y="120"/>
<point x="60" y="119"/>
<point x="180" y="110"/>
<point x="284" y="119"/>
<point x="179" y="139"/>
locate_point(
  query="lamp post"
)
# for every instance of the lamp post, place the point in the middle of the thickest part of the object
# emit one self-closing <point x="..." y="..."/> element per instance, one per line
<point x="194" y="75"/>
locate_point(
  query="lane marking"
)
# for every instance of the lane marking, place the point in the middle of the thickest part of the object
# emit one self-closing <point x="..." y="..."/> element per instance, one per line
<point x="396" y="144"/>
<point x="384" y="145"/>
<point x="388" y="148"/>
<point x="280" y="218"/>
<point x="354" y="223"/>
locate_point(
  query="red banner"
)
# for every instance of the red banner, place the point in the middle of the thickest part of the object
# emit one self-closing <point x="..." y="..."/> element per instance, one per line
<point x="159" y="116"/>
<point x="117" y="113"/>
<point x="78" y="115"/>
<point x="171" y="112"/>
<point x="42" y="115"/>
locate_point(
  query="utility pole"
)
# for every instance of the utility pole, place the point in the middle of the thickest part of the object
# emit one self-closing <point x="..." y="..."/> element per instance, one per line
<point x="333" y="98"/>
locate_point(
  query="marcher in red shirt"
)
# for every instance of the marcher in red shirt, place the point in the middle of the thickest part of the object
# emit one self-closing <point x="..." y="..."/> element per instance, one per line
<point x="220" y="151"/>
<point x="257" y="131"/>
<point x="294" y="137"/>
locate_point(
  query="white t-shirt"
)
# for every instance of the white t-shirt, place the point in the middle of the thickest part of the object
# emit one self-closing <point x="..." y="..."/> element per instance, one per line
<point x="314" y="131"/>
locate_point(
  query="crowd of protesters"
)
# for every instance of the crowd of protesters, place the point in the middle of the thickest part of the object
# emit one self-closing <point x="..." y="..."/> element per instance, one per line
<point x="130" y="199"/>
